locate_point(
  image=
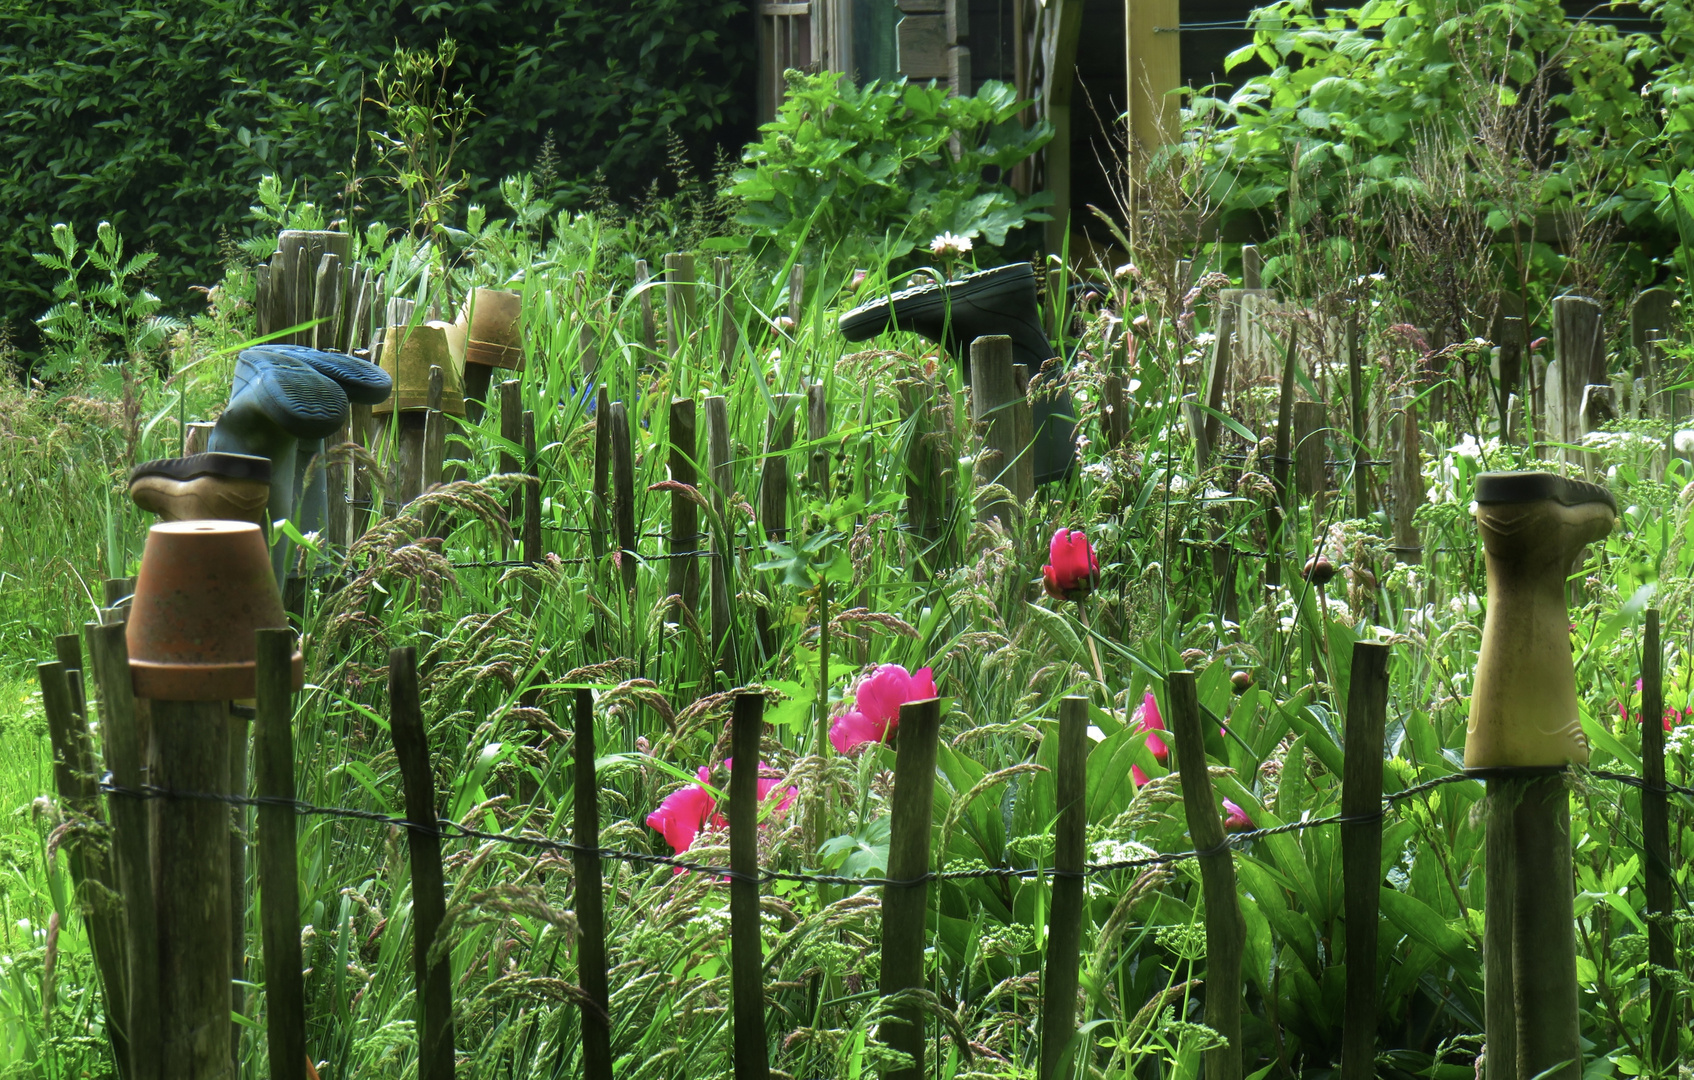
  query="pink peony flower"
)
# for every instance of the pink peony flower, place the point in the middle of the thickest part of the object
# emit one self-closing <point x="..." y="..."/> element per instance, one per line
<point x="1672" y="715"/>
<point x="1147" y="719"/>
<point x="875" y="712"/>
<point x="688" y="810"/>
<point x="683" y="813"/>
<point x="1073" y="569"/>
<point x="1234" y="817"/>
<point x="767" y="784"/>
<point x="1137" y="775"/>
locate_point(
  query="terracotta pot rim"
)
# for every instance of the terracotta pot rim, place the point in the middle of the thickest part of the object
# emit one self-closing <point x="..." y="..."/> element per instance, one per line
<point x="204" y="682"/>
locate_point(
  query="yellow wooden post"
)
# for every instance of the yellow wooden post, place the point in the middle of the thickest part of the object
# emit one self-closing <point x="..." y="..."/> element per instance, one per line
<point x="1153" y="60"/>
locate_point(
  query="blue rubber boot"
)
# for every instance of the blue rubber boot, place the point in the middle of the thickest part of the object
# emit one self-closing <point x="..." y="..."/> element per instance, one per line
<point x="277" y="402"/>
<point x="364" y="383"/>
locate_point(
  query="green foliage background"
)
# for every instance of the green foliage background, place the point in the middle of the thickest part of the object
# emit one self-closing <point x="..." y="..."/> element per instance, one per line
<point x="162" y="117"/>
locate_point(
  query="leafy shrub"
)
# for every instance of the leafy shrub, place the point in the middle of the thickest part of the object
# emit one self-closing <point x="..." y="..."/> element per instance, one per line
<point x="162" y="118"/>
<point x="873" y="173"/>
<point x="1555" y="107"/>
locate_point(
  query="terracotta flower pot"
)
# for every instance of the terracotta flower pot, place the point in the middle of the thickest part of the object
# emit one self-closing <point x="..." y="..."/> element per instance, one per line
<point x="493" y="319"/>
<point x="204" y="588"/>
<point x="407" y="355"/>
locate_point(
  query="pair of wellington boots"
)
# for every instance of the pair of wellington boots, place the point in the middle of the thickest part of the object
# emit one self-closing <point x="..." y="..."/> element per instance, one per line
<point x="997" y="302"/>
<point x="1533" y="527"/>
<point x="285" y="400"/>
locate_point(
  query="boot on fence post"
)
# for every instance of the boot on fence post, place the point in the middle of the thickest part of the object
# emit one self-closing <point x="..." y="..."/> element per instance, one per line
<point x="1524" y="731"/>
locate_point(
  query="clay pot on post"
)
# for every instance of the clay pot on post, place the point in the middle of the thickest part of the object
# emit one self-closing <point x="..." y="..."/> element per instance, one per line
<point x="492" y="320"/>
<point x="204" y="589"/>
<point x="408" y="354"/>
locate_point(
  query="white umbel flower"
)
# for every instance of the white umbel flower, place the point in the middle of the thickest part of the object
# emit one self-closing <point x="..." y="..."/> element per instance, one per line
<point x="950" y="244"/>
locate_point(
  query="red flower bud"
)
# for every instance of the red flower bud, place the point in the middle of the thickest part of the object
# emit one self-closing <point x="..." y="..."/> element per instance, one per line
<point x="1074" y="569"/>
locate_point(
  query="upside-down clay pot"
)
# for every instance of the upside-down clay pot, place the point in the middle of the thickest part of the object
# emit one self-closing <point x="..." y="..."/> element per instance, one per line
<point x="408" y="352"/>
<point x="493" y="318"/>
<point x="203" y="590"/>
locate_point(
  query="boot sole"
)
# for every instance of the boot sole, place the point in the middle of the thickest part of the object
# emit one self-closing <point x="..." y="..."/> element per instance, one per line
<point x="363" y="382"/>
<point x="930" y="301"/>
<point x="291" y="395"/>
<point x="223" y="465"/>
<point x="205" y="497"/>
<point x="1525" y="487"/>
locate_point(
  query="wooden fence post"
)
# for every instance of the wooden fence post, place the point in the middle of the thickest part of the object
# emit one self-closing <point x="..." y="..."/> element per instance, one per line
<point x="1226" y="932"/>
<point x="1544" y="931"/>
<point x="532" y="500"/>
<point x="643" y="286"/>
<point x="905" y="907"/>
<point x="1499" y="876"/>
<point x="590" y="902"/>
<point x="720" y="478"/>
<point x="723" y="272"/>
<point x="1065" y="912"/>
<point x="747" y="954"/>
<point x="683" y="577"/>
<point x="623" y="494"/>
<point x="1283" y="501"/>
<point x="1579" y="347"/>
<point x="1361" y="853"/>
<point x="1311" y="454"/>
<point x="1408" y="482"/>
<point x="73" y="775"/>
<point x="1252" y="267"/>
<point x="130" y="845"/>
<point x="996" y="405"/>
<point x="279" y="885"/>
<point x="817" y="432"/>
<point x="511" y="431"/>
<point x="1218" y="367"/>
<point x="796" y="294"/>
<point x="774" y="479"/>
<point x="429" y="900"/>
<point x="191" y="884"/>
<point x="435" y="434"/>
<point x="680" y="303"/>
<point x="1361" y="451"/>
<point x="1655" y="840"/>
<point x="600" y="538"/>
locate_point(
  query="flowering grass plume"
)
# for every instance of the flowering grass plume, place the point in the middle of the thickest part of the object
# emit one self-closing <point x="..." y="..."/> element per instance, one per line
<point x="875" y="712"/>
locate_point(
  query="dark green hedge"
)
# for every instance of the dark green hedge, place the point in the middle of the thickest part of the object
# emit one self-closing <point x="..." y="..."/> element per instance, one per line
<point x="162" y="117"/>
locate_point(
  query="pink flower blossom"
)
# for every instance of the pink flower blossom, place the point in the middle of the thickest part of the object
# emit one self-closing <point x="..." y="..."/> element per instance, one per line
<point x="1073" y="569"/>
<point x="683" y="814"/>
<point x="1671" y="717"/>
<point x="686" y="811"/>
<point x="1147" y="719"/>
<point x="1234" y="817"/>
<point x="875" y="712"/>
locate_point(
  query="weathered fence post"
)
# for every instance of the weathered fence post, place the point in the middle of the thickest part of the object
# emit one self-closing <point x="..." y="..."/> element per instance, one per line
<point x="817" y="432"/>
<point x="1252" y="267"/>
<point x="433" y="979"/>
<point x="747" y="955"/>
<point x="644" y="291"/>
<point x="1361" y="853"/>
<point x="434" y="434"/>
<point x="683" y="577"/>
<point x="600" y="537"/>
<point x="796" y="293"/>
<point x="511" y="435"/>
<point x="723" y="274"/>
<point x="905" y="906"/>
<point x="623" y="494"/>
<point x="1361" y="450"/>
<point x="279" y="886"/>
<point x="681" y="307"/>
<point x="1284" y="499"/>
<point x="532" y="498"/>
<point x="1225" y="930"/>
<point x="1579" y="348"/>
<point x="1655" y="841"/>
<point x="1311" y="453"/>
<point x="774" y="489"/>
<point x="720" y="478"/>
<point x="590" y="903"/>
<point x="1500" y="875"/>
<point x="73" y="776"/>
<point x="998" y="405"/>
<point x="130" y="845"/>
<point x="1407" y="470"/>
<point x="1065" y="911"/>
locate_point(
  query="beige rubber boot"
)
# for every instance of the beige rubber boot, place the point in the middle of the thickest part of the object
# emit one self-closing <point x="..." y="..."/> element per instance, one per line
<point x="200" y="487"/>
<point x="1523" y="711"/>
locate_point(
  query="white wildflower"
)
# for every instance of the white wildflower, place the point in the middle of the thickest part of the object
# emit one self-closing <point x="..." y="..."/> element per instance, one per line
<point x="950" y="244"/>
<point x="1684" y="442"/>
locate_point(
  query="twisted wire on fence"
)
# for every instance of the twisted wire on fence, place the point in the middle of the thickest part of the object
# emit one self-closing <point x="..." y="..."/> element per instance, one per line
<point x="450" y="830"/>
